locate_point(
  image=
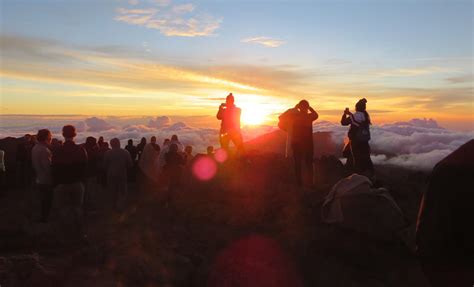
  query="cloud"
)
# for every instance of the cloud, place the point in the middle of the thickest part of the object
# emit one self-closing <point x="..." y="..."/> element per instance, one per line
<point x="95" y="124"/>
<point x="159" y="122"/>
<point x="171" y="20"/>
<point x="468" y="78"/>
<point x="50" y="61"/>
<point x="264" y="41"/>
<point x="421" y="161"/>
<point x="111" y="127"/>
<point x="135" y="16"/>
<point x="162" y="3"/>
<point x="417" y="144"/>
<point x="183" y="8"/>
<point x="133" y="2"/>
<point x="409" y="72"/>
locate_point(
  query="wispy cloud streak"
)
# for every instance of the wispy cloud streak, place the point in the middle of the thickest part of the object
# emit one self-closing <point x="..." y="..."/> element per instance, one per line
<point x="264" y="41"/>
<point x="181" y="20"/>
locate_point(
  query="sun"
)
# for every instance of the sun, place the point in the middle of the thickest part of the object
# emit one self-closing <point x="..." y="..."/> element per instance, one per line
<point x="257" y="110"/>
<point x="253" y="115"/>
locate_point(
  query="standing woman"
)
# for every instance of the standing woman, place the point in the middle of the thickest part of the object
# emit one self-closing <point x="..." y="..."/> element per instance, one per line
<point x="357" y="151"/>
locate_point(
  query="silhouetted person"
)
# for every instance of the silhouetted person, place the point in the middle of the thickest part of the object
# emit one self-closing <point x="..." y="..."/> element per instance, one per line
<point x="101" y="142"/>
<point x="164" y="150"/>
<point x="41" y="157"/>
<point x="210" y="150"/>
<point x="175" y="140"/>
<point x="134" y="154"/>
<point x="148" y="165"/>
<point x="132" y="150"/>
<point x="300" y="131"/>
<point x="116" y="163"/>
<point x="357" y="150"/>
<point x="155" y="146"/>
<point x="69" y="164"/>
<point x="173" y="168"/>
<point x="101" y="176"/>
<point x="55" y="144"/>
<point x="229" y="115"/>
<point x="3" y="172"/>
<point x="141" y="146"/>
<point x="188" y="154"/>
<point x="92" y="187"/>
<point x="92" y="149"/>
<point x="24" y="160"/>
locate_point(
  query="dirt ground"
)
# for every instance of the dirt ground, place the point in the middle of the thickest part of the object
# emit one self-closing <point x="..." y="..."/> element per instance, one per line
<point x="183" y="243"/>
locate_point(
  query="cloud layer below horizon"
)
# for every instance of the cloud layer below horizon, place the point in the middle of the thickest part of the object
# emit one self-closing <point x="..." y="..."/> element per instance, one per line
<point x="415" y="144"/>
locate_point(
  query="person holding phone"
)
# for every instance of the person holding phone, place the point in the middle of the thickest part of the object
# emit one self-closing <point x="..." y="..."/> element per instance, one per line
<point x="229" y="115"/>
<point x="357" y="150"/>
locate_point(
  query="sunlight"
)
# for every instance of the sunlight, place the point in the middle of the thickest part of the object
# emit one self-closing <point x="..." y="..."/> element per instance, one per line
<point x="258" y="110"/>
<point x="253" y="115"/>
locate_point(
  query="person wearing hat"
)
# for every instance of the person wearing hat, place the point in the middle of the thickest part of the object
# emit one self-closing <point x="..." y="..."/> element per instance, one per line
<point x="357" y="150"/>
<point x="229" y="115"/>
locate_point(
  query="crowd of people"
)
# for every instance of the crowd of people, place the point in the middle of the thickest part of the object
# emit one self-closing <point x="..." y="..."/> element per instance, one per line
<point x="69" y="173"/>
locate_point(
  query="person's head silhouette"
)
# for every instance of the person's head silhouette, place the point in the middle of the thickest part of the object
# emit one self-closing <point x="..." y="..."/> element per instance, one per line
<point x="130" y="142"/>
<point x="188" y="149"/>
<point x="115" y="143"/>
<point x="303" y="106"/>
<point x="44" y="136"/>
<point x="91" y="141"/>
<point x="174" y="138"/>
<point x="361" y="105"/>
<point x="69" y="132"/>
<point x="173" y="148"/>
<point x="210" y="150"/>
<point x="229" y="100"/>
<point x="153" y="140"/>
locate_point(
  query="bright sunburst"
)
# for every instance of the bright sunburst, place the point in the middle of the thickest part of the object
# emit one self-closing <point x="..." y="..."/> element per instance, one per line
<point x="258" y="110"/>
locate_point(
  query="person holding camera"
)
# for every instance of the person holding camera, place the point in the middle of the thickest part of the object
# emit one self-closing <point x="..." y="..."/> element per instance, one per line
<point x="357" y="150"/>
<point x="229" y="115"/>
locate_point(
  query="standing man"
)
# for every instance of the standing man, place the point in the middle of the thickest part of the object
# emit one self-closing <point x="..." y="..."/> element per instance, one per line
<point x="229" y="115"/>
<point x="41" y="157"/>
<point x="116" y="163"/>
<point x="300" y="122"/>
<point x="132" y="150"/>
<point x="69" y="165"/>
<point x="3" y="171"/>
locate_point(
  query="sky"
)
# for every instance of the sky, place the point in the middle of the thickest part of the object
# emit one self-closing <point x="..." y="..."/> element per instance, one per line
<point x="133" y="58"/>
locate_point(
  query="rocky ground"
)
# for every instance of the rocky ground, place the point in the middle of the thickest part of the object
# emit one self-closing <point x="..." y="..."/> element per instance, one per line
<point x="155" y="244"/>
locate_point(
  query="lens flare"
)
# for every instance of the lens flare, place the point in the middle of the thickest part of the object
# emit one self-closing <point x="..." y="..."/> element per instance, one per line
<point x="204" y="168"/>
<point x="221" y="155"/>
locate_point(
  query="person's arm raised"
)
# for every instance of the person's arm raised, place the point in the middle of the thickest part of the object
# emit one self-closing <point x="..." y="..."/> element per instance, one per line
<point x="345" y="120"/>
<point x="314" y="114"/>
<point x="220" y="112"/>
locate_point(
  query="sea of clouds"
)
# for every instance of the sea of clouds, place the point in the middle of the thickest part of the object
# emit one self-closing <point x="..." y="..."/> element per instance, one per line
<point x="416" y="144"/>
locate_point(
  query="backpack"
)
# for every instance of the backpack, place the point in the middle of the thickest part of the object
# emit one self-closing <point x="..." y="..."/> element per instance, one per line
<point x="285" y="120"/>
<point x="362" y="133"/>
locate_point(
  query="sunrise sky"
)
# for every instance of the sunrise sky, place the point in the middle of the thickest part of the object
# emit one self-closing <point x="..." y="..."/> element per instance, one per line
<point x="410" y="59"/>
